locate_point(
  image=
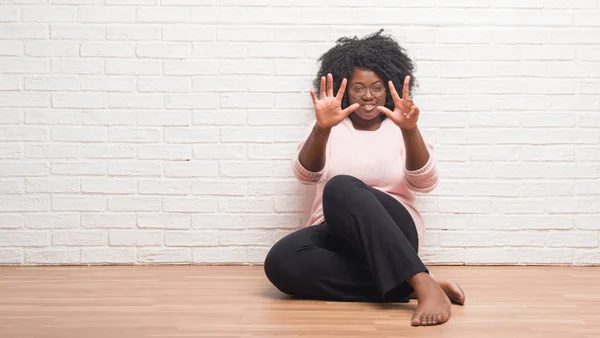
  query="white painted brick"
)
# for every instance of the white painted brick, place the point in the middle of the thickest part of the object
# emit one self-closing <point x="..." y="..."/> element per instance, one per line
<point x="587" y="222"/>
<point x="529" y="239"/>
<point x="563" y="102"/>
<point x="163" y="221"/>
<point x="53" y="256"/>
<point x="223" y="118"/>
<point x="134" y="135"/>
<point x="9" y="14"/>
<point x="446" y="222"/>
<point x="226" y="254"/>
<point x="220" y="188"/>
<point x="546" y="189"/>
<point x="77" y="66"/>
<point x="108" y="186"/>
<point x="219" y="221"/>
<point x="79" y="238"/>
<point x="108" y="118"/>
<point x="190" y="101"/>
<point x="10" y="221"/>
<point x="108" y="151"/>
<point x="275" y="188"/>
<point x="560" y="171"/>
<point x="287" y="84"/>
<point x="163" y="14"/>
<point x="133" y="67"/>
<point x="107" y="14"/>
<point x="11" y="256"/>
<point x="11" y="151"/>
<point x="247" y="100"/>
<point x="52" y="151"/>
<point x="246" y="237"/>
<point x="52" y="221"/>
<point x="78" y="168"/>
<point x="12" y="186"/>
<point x="51" y="48"/>
<point x="14" y="48"/>
<point x="466" y="239"/>
<point x="572" y="205"/>
<point x="588" y="239"/>
<point x="211" y="50"/>
<point x="24" y="99"/>
<point x="80" y="100"/>
<point x="24" y="168"/>
<point x="443" y="256"/>
<point x="191" y="238"/>
<point x="245" y="15"/>
<point x="127" y="168"/>
<point x="191" y="135"/>
<point x="247" y="67"/>
<point x="246" y="205"/>
<point x="275" y="151"/>
<point x="24" y="239"/>
<point x="246" y="169"/>
<point x="165" y="152"/>
<point x="192" y="33"/>
<point x="109" y="49"/>
<point x="137" y="32"/>
<point x="274" y="221"/>
<point x="545" y="222"/>
<point x="288" y="204"/>
<point x="192" y="169"/>
<point x="588" y="120"/>
<point x="162" y="118"/>
<point x="91" y="32"/>
<point x="164" y="50"/>
<point x="134" y="203"/>
<point x="548" y="153"/>
<point x="519" y="206"/>
<point x="11" y="116"/>
<point x="107" y="256"/>
<point x="190" y="68"/>
<point x="164" y="187"/>
<point x="220" y="84"/>
<point x="79" y="134"/>
<point x="164" y="84"/>
<point x="24" y="133"/>
<point x="10" y="82"/>
<point x="573" y="136"/>
<point x="189" y="204"/>
<point x="135" y="237"/>
<point x="247" y="134"/>
<point x="258" y="254"/>
<point x="465" y="206"/>
<point x="49" y="13"/>
<point x="78" y="203"/>
<point x="24" y="31"/>
<point x="158" y="255"/>
<point x="142" y="101"/>
<point x="586" y="257"/>
<point x="52" y="83"/>
<point x="510" y="170"/>
<point x="282" y="118"/>
<point x="491" y="256"/>
<point x="245" y="33"/>
<point x="545" y="256"/>
<point x="108" y="220"/>
<point x="52" y="185"/>
<point x="188" y="2"/>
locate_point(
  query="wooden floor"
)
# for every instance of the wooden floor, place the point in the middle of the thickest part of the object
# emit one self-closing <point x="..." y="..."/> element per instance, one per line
<point x="201" y="301"/>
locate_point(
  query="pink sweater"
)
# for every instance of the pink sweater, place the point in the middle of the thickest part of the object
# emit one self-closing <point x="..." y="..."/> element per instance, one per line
<point x="376" y="158"/>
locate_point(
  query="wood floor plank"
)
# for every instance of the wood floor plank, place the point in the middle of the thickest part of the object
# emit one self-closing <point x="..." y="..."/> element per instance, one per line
<point x="238" y="301"/>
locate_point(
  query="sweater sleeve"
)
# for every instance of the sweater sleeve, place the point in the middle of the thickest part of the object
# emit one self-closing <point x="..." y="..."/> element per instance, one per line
<point x="302" y="174"/>
<point x="425" y="179"/>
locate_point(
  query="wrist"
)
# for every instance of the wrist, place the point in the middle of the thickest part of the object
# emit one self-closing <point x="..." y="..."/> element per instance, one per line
<point x="413" y="130"/>
<point x="321" y="131"/>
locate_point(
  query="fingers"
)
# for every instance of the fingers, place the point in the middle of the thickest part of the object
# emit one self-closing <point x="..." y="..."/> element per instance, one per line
<point x="395" y="95"/>
<point x="384" y="110"/>
<point x="329" y="85"/>
<point x="350" y="109"/>
<point x="313" y="96"/>
<point x="414" y="111"/>
<point x="342" y="90"/>
<point x="322" y="94"/>
<point x="405" y="87"/>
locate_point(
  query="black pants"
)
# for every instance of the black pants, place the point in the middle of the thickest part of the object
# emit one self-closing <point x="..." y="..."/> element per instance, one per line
<point x="366" y="249"/>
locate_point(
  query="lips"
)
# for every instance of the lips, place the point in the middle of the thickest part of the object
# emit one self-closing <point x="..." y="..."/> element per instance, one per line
<point x="369" y="106"/>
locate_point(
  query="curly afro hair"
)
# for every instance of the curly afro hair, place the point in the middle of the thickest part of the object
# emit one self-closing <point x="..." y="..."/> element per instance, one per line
<point x="376" y="52"/>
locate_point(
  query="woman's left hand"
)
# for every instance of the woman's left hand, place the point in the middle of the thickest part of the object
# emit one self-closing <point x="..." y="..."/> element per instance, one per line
<point x="406" y="113"/>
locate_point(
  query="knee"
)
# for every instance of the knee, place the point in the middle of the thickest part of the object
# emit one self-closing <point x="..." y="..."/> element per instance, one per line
<point x="340" y="186"/>
<point x="278" y="267"/>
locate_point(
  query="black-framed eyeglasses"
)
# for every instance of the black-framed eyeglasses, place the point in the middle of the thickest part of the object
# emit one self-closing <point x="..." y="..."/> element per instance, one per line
<point x="359" y="91"/>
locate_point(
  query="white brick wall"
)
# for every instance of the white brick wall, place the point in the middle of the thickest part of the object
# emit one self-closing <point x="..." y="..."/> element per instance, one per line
<point x="160" y="131"/>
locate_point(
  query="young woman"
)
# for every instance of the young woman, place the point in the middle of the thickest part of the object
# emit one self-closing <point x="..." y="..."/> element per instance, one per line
<point x="367" y="157"/>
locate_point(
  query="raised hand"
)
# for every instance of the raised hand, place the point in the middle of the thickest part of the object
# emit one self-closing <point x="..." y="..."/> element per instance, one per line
<point x="406" y="113"/>
<point x="328" y="108"/>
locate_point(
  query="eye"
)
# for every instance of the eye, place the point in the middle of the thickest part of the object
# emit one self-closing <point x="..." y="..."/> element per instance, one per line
<point x="377" y="88"/>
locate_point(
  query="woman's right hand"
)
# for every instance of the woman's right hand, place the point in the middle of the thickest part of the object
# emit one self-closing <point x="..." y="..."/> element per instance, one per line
<point x="328" y="108"/>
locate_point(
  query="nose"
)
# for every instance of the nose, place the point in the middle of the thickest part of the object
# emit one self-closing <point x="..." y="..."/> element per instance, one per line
<point x="368" y="96"/>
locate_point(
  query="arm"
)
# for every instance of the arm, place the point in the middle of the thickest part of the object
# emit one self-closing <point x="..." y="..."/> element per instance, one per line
<point x="309" y="165"/>
<point x="420" y="171"/>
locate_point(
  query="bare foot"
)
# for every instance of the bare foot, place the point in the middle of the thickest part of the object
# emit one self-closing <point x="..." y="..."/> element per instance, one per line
<point x="434" y="305"/>
<point x="454" y="292"/>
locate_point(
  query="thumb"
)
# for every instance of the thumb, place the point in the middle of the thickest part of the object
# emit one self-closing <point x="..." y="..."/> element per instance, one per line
<point x="384" y="110"/>
<point x="350" y="109"/>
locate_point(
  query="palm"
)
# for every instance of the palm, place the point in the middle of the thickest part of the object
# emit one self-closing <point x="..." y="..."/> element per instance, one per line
<point x="328" y="108"/>
<point x="406" y="113"/>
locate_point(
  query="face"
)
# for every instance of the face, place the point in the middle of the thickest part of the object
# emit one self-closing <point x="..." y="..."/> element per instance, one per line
<point x="367" y="89"/>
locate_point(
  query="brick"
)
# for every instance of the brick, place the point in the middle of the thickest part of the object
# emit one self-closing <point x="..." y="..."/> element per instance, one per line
<point x="51" y="49"/>
<point x="192" y="238"/>
<point x="53" y="256"/>
<point x="220" y="84"/>
<point x="90" y="32"/>
<point x="10" y="221"/>
<point x="188" y="101"/>
<point x="212" y="50"/>
<point x="11" y="256"/>
<point x="79" y="134"/>
<point x="108" y="151"/>
<point x="163" y="14"/>
<point x="165" y="152"/>
<point x="141" y="101"/>
<point x="220" y="188"/>
<point x="108" y="186"/>
<point x="52" y="185"/>
<point x="24" y="31"/>
<point x="12" y="186"/>
<point x="52" y="221"/>
<point x="52" y="151"/>
<point x="171" y="256"/>
<point x="78" y="203"/>
<point x="107" y="14"/>
<point x="225" y="254"/>
<point x="219" y="221"/>
<point x="131" y="203"/>
<point x="133" y="67"/>
<point x="163" y="221"/>
<point x="21" y="203"/>
<point x="108" y="220"/>
<point x="135" y="168"/>
<point x="161" y="118"/>
<point x="246" y="205"/>
<point x="78" y="168"/>
<point x="192" y="169"/>
<point x="52" y="117"/>
<point x="79" y="238"/>
<point x="246" y="169"/>
<point x="80" y="100"/>
<point x="588" y="239"/>
<point x="107" y="256"/>
<point x="109" y="49"/>
<point x="222" y="118"/>
<point x="491" y="256"/>
<point x="191" y="135"/>
<point x="192" y="33"/>
<point x="134" y="135"/>
<point x="163" y="50"/>
<point x="545" y="256"/>
<point x="190" y="68"/>
<point x="164" y="84"/>
<point x="77" y="66"/>
<point x="23" y="239"/>
<point x="189" y="204"/>
<point x="11" y="151"/>
<point x="25" y="133"/>
<point x="135" y="238"/>
<point x="108" y="118"/>
<point x="49" y="14"/>
<point x="20" y="99"/>
<point x="245" y="237"/>
<point x="139" y="32"/>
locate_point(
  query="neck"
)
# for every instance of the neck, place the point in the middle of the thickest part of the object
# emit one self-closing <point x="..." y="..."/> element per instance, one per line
<point x="368" y="125"/>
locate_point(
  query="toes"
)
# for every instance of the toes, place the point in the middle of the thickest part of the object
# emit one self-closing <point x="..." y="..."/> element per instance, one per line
<point x="429" y="320"/>
<point x="440" y="317"/>
<point x="415" y="321"/>
<point x="424" y="320"/>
